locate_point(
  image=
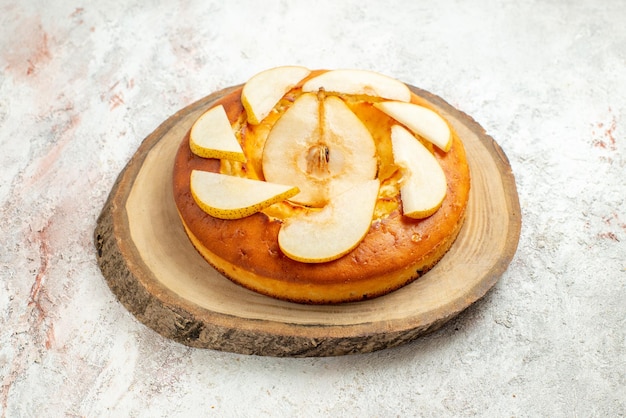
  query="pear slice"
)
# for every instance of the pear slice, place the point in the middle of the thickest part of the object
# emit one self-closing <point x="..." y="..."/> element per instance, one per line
<point x="423" y="184"/>
<point x="360" y="82"/>
<point x="229" y="197"/>
<point x="212" y="136"/>
<point x="261" y="92"/>
<point x="421" y="121"/>
<point x="320" y="146"/>
<point x="333" y="231"/>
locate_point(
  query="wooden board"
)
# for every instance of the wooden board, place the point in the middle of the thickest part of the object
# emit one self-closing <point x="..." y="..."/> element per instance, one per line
<point x="158" y="276"/>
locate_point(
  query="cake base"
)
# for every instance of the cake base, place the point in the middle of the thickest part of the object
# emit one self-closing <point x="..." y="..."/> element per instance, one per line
<point x="153" y="269"/>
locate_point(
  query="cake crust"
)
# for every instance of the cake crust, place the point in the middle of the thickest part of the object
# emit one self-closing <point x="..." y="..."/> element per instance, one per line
<point x="396" y="250"/>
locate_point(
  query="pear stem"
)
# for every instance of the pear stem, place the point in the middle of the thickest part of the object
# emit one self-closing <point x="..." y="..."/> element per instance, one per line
<point x="321" y="114"/>
<point x="318" y="155"/>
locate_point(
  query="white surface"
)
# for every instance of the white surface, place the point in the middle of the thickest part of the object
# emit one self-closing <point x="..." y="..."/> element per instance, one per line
<point x="81" y="86"/>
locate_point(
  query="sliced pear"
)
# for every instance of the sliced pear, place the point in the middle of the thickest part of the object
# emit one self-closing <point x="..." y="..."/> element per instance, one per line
<point x="333" y="231"/>
<point x="320" y="146"/>
<point x="421" y="121"/>
<point x="264" y="90"/>
<point x="229" y="197"/>
<point x="360" y="82"/>
<point x="423" y="184"/>
<point x="212" y="136"/>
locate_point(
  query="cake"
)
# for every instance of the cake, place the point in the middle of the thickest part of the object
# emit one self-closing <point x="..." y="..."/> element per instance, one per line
<point x="323" y="186"/>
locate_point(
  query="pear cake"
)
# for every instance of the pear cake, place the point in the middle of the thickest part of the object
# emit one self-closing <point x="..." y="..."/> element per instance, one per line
<point x="321" y="186"/>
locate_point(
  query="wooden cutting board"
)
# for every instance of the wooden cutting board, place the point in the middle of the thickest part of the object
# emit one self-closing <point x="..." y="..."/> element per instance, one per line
<point x="155" y="272"/>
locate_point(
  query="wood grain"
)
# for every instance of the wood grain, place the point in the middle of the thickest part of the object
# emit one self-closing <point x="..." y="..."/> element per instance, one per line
<point x="155" y="272"/>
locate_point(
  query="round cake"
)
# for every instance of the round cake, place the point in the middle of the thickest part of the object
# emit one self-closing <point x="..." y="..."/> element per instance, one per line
<point x="321" y="187"/>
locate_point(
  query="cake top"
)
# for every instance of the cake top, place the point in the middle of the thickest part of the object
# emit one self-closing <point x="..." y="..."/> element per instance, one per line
<point x="326" y="152"/>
